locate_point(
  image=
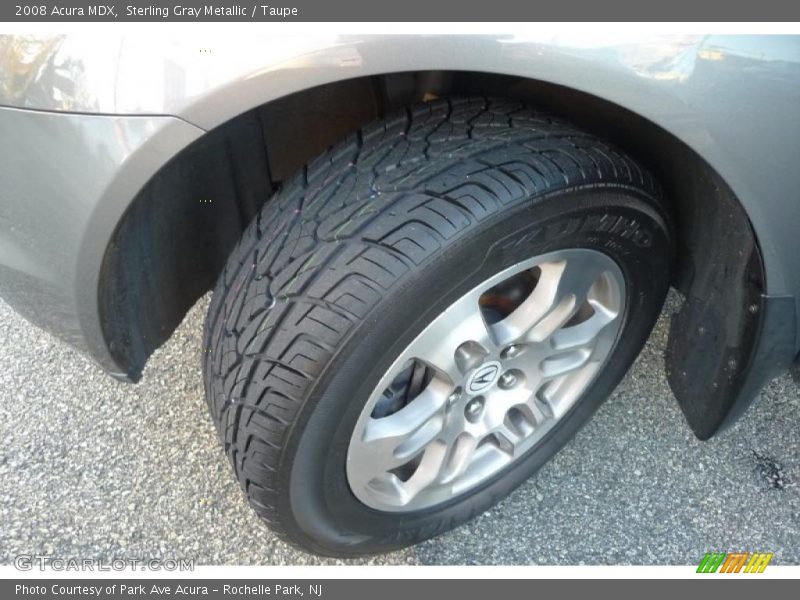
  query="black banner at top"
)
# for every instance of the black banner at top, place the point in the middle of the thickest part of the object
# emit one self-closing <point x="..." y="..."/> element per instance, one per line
<point x="397" y="11"/>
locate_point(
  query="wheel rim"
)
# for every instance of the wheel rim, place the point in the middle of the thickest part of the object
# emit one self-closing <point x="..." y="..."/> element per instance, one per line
<point x="486" y="380"/>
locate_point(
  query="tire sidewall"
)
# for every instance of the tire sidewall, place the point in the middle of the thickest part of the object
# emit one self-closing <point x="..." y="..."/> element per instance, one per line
<point x="320" y="508"/>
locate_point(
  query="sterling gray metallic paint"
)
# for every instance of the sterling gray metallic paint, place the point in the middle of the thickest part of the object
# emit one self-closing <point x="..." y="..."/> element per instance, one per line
<point x="67" y="178"/>
<point x="66" y="181"/>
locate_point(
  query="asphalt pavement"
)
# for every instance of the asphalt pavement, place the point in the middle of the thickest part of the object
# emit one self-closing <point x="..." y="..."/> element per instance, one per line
<point x="93" y="468"/>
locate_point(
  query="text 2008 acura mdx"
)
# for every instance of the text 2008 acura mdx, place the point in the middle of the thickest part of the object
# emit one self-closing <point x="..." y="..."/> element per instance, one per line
<point x="432" y="257"/>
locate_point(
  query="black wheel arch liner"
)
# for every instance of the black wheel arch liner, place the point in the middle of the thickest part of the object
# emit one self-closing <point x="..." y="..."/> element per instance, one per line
<point x="727" y="340"/>
<point x="729" y="337"/>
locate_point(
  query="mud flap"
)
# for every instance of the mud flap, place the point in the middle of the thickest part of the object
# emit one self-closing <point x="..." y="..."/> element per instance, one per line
<point x="719" y="357"/>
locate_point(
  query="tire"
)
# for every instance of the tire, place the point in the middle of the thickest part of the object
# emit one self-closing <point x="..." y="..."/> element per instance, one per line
<point x="361" y="251"/>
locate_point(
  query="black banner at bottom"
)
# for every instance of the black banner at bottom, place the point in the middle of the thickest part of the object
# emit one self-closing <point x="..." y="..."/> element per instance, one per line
<point x="381" y="589"/>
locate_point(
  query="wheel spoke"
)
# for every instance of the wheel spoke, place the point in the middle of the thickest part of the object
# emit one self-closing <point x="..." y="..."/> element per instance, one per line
<point x="571" y="348"/>
<point x="564" y="362"/>
<point x="409" y="418"/>
<point x="428" y="470"/>
<point x="459" y="456"/>
<point x="558" y="394"/>
<point x="556" y="318"/>
<point x="583" y="334"/>
<point x="390" y="442"/>
<point x="460" y="324"/>
<point x="535" y="307"/>
<point x="562" y="289"/>
<point x="535" y="410"/>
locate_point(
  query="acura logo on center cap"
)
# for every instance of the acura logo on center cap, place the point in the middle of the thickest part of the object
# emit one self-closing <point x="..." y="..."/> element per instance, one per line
<point x="483" y="377"/>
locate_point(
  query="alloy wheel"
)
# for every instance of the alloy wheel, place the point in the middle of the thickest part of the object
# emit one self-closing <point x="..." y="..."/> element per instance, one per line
<point x="486" y="380"/>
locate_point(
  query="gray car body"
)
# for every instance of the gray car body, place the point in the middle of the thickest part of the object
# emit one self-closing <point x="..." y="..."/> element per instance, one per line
<point x="96" y="119"/>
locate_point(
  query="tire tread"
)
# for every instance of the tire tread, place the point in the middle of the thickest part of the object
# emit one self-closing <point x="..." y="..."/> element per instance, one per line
<point x="344" y="230"/>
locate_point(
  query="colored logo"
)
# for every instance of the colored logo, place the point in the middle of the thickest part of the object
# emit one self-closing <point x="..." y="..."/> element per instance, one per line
<point x="734" y="562"/>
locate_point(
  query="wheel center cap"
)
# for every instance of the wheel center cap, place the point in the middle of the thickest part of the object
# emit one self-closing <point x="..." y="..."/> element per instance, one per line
<point x="483" y="377"/>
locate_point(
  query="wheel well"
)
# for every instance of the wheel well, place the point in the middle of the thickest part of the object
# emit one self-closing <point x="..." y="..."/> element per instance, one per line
<point x="180" y="228"/>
